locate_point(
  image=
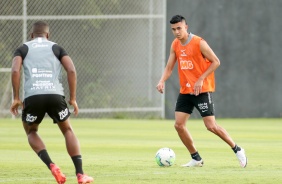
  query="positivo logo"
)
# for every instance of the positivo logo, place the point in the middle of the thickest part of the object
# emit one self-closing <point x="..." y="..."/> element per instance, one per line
<point x="37" y="45"/>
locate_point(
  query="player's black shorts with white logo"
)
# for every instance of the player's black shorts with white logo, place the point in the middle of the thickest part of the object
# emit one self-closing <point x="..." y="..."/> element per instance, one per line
<point x="35" y="108"/>
<point x="203" y="102"/>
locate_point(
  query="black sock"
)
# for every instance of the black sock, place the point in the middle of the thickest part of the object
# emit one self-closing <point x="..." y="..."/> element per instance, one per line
<point x="77" y="161"/>
<point x="44" y="156"/>
<point x="196" y="156"/>
<point x="236" y="148"/>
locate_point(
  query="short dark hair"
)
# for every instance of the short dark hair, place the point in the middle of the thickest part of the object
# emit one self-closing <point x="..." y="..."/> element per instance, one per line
<point x="177" y="18"/>
<point x="40" y="27"/>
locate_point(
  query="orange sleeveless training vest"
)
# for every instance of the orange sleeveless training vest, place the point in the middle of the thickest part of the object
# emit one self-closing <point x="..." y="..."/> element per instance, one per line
<point x="191" y="65"/>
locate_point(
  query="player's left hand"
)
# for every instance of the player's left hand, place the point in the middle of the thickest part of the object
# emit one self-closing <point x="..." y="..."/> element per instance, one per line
<point x="15" y="105"/>
<point x="198" y="87"/>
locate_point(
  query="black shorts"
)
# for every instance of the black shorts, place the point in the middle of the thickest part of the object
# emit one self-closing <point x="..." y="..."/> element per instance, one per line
<point x="35" y="108"/>
<point x="203" y="102"/>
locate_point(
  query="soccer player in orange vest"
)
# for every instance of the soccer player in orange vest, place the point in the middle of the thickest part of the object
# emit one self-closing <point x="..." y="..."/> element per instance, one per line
<point x="196" y="65"/>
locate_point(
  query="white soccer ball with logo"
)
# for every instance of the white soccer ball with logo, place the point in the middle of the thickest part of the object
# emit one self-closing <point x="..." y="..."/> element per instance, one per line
<point x="165" y="157"/>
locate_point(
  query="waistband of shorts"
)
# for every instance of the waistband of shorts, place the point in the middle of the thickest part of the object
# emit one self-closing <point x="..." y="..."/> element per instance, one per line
<point x="194" y="94"/>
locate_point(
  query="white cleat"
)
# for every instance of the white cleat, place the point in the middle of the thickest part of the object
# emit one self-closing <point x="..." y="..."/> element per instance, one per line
<point x="194" y="163"/>
<point x="242" y="157"/>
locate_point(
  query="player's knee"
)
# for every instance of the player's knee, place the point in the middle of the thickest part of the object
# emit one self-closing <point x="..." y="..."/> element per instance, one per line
<point x="31" y="132"/>
<point x="179" y="127"/>
<point x="67" y="130"/>
<point x="212" y="129"/>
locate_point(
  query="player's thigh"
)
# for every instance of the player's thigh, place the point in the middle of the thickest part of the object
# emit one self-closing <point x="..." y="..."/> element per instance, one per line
<point x="65" y="126"/>
<point x="30" y="127"/>
<point x="209" y="122"/>
<point x="181" y="118"/>
<point x="57" y="108"/>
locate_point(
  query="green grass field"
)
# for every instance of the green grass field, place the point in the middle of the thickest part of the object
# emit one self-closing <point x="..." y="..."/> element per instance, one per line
<point x="123" y="151"/>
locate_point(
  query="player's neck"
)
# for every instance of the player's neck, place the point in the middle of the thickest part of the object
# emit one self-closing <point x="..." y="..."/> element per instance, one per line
<point x="40" y="37"/>
<point x="184" y="39"/>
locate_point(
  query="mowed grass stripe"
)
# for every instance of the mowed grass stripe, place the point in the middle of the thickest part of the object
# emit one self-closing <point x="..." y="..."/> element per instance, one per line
<point x="122" y="151"/>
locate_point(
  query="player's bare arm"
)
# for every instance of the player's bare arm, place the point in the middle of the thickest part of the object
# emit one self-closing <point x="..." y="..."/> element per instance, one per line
<point x="210" y="55"/>
<point x="71" y="75"/>
<point x="167" y="71"/>
<point x="16" y="74"/>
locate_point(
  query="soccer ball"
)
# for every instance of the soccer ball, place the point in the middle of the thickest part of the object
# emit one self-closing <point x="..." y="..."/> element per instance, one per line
<point x="165" y="157"/>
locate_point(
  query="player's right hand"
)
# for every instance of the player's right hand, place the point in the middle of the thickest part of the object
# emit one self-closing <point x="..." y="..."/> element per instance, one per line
<point x="75" y="106"/>
<point x="15" y="105"/>
<point x="160" y="87"/>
